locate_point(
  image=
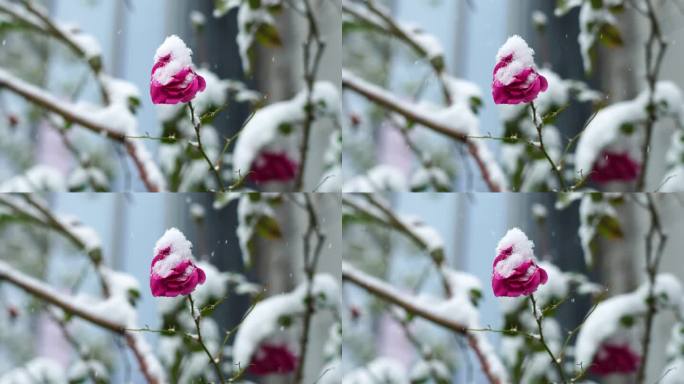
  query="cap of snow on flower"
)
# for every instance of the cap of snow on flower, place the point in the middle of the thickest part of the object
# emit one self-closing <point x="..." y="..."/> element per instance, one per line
<point x="173" y="79"/>
<point x="615" y="358"/>
<point x="273" y="166"/>
<point x="173" y="272"/>
<point x="273" y="359"/>
<point x="615" y="166"/>
<point x="515" y="270"/>
<point x="516" y="79"/>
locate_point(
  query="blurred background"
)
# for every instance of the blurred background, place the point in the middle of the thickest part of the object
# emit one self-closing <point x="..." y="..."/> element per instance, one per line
<point x="129" y="225"/>
<point x="470" y="33"/>
<point x="129" y="33"/>
<point x="471" y="226"/>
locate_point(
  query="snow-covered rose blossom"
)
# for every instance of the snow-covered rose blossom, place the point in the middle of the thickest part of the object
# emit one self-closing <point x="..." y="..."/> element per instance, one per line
<point x="615" y="358"/>
<point x="173" y="79"/>
<point x="273" y="166"/>
<point x="516" y="272"/>
<point x="615" y="166"/>
<point x="173" y="270"/>
<point x="273" y="359"/>
<point x="516" y="79"/>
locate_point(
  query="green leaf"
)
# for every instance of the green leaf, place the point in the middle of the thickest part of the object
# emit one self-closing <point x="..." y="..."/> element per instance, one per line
<point x="268" y="36"/>
<point x="610" y="36"/>
<point x="609" y="227"/>
<point x="269" y="228"/>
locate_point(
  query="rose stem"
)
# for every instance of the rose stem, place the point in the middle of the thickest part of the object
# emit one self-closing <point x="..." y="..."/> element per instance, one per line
<point x="196" y="125"/>
<point x="201" y="342"/>
<point x="539" y="125"/>
<point x="538" y="319"/>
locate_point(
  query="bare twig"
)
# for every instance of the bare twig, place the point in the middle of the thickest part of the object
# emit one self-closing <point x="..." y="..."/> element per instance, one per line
<point x="655" y="46"/>
<point x="556" y="361"/>
<point x="196" y="123"/>
<point x="390" y="295"/>
<point x="71" y="113"/>
<point x="312" y="254"/>
<point x="556" y="170"/>
<point x="381" y="97"/>
<point x="214" y="362"/>
<point x="313" y="48"/>
<point x="655" y="245"/>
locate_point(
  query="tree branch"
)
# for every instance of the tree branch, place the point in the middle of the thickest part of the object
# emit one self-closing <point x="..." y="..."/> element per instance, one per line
<point x="314" y="47"/>
<point x="656" y="45"/>
<point x="654" y="254"/>
<point x="213" y="168"/>
<point x="490" y="171"/>
<point x="311" y="256"/>
<point x="554" y="168"/>
<point x="49" y="294"/>
<point x="389" y="294"/>
<point x="71" y="113"/>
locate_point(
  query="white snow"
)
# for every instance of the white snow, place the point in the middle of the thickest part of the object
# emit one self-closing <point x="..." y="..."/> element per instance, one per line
<point x="39" y="178"/>
<point x="180" y="58"/>
<point x="381" y="370"/>
<point x="263" y="320"/>
<point x="539" y="18"/>
<point x="523" y="250"/>
<point x="197" y="18"/>
<point x="249" y="213"/>
<point x="424" y="177"/>
<point x="181" y="250"/>
<point x="605" y="321"/>
<point x="591" y="212"/>
<point x="120" y="283"/>
<point x="382" y="177"/>
<point x="539" y="211"/>
<point x="214" y="95"/>
<point x="262" y="130"/>
<point x="38" y="370"/>
<point x="522" y="58"/>
<point x="604" y="130"/>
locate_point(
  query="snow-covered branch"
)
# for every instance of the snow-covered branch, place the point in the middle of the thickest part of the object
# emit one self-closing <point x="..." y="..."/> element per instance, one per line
<point x="458" y="124"/>
<point x="100" y="122"/>
<point x="50" y="295"/>
<point x="489" y="361"/>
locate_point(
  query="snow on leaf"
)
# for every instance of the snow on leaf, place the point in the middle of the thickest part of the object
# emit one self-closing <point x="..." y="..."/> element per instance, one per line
<point x="607" y="319"/>
<point x="263" y="131"/>
<point x="267" y="318"/>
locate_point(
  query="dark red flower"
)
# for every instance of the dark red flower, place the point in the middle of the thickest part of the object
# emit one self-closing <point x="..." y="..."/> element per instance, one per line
<point x="273" y="359"/>
<point x="615" y="166"/>
<point x="614" y="358"/>
<point x="273" y="166"/>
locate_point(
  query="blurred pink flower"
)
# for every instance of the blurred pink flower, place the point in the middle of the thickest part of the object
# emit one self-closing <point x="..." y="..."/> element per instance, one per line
<point x="614" y="358"/>
<point x="515" y="77"/>
<point x="273" y="166"/>
<point x="272" y="358"/>
<point x="515" y="272"/>
<point x="173" y="80"/>
<point x="173" y="272"/>
<point x="615" y="166"/>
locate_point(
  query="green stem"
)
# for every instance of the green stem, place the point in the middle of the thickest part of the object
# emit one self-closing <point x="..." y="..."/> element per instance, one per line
<point x="539" y="125"/>
<point x="214" y="170"/>
<point x="556" y="362"/>
<point x="213" y="361"/>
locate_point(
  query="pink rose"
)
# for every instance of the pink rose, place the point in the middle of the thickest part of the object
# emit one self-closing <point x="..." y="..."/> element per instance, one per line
<point x="173" y="272"/>
<point x="272" y="358"/>
<point x="515" y="77"/>
<point x="615" y="166"/>
<point x="515" y="270"/>
<point x="273" y="166"/>
<point x="173" y="79"/>
<point x="615" y="358"/>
